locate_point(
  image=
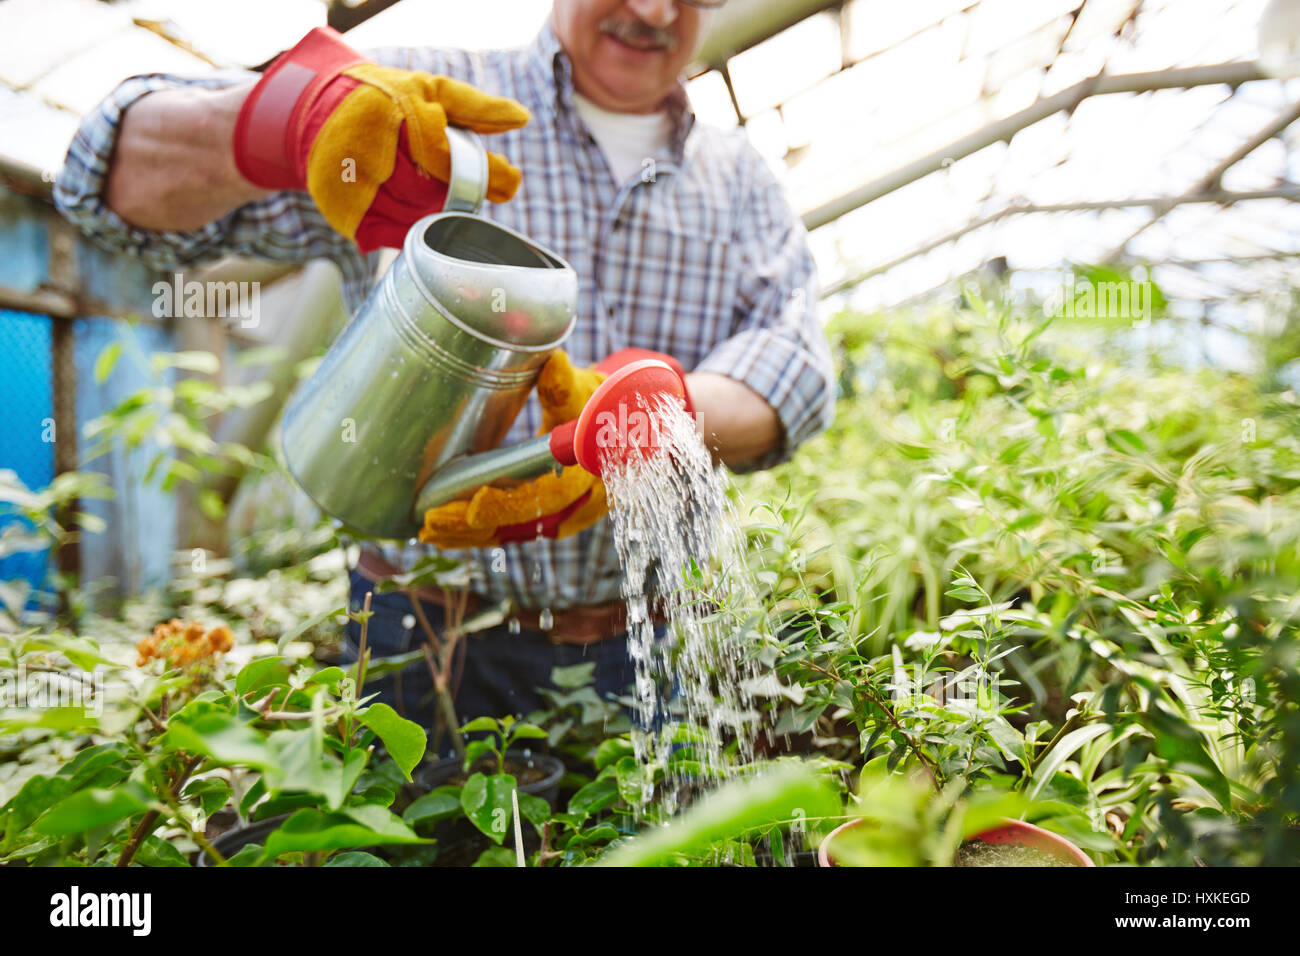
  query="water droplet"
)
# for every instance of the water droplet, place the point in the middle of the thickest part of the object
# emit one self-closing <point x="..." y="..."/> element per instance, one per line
<point x="513" y="625"/>
<point x="545" y="620"/>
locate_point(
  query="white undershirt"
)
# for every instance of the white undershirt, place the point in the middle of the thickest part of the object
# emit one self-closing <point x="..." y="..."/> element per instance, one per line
<point x="628" y="140"/>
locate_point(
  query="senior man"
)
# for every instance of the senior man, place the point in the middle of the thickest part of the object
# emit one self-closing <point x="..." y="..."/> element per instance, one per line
<point x="680" y="235"/>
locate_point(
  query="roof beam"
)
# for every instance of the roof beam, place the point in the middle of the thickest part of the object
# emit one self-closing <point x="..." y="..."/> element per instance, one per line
<point x="1217" y="196"/>
<point x="1232" y="74"/>
<point x="1213" y="179"/>
<point x="742" y="24"/>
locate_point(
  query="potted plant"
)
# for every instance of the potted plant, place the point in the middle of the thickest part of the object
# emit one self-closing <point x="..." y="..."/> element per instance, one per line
<point x="468" y="803"/>
<point x="1010" y="843"/>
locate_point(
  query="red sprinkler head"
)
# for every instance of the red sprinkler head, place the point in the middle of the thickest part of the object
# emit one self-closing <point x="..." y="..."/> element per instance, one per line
<point x="620" y="420"/>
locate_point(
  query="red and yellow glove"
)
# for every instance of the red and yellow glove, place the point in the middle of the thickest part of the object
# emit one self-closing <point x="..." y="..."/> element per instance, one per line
<point x="552" y="505"/>
<point x="367" y="141"/>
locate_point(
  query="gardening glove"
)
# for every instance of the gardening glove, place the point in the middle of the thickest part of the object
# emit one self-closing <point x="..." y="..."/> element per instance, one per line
<point x="366" y="141"/>
<point x="552" y="505"/>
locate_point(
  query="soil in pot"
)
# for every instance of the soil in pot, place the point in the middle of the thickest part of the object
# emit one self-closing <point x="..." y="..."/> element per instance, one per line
<point x="524" y="774"/>
<point x="979" y="853"/>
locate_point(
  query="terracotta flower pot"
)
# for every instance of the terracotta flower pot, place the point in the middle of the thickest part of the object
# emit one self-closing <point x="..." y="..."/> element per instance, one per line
<point x="1010" y="832"/>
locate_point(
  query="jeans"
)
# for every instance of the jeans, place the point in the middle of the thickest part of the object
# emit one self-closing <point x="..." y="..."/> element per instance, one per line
<point x="501" y="671"/>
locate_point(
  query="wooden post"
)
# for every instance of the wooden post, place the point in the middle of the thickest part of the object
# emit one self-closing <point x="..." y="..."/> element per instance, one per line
<point x="64" y="277"/>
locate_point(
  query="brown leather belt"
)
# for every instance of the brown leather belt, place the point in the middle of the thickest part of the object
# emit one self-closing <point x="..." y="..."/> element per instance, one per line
<point x="585" y="624"/>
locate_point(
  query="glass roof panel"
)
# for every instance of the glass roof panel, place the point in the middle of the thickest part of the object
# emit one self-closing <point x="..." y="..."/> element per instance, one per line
<point x="915" y="79"/>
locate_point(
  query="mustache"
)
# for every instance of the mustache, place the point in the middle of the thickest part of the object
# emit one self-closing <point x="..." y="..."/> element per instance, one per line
<point x="637" y="33"/>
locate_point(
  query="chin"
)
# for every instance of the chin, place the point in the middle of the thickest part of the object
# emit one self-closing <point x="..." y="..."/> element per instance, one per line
<point x="626" y="84"/>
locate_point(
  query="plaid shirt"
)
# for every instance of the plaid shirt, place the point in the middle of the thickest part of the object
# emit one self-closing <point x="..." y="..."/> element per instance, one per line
<point x="699" y="256"/>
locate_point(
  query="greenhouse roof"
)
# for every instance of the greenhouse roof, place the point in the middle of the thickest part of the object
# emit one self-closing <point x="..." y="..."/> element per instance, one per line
<point x="901" y="129"/>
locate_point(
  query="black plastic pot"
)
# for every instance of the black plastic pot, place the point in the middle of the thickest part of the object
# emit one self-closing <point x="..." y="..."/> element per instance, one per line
<point x="548" y="788"/>
<point x="232" y="841"/>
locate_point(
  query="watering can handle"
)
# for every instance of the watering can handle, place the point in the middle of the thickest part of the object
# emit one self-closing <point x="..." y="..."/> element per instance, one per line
<point x="467" y="183"/>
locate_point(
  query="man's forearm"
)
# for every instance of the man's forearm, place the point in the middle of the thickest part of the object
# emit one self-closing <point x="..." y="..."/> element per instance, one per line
<point x="737" y="423"/>
<point x="173" y="167"/>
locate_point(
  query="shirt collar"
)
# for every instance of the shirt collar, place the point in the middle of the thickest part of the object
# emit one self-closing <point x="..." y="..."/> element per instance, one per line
<point x="550" y="68"/>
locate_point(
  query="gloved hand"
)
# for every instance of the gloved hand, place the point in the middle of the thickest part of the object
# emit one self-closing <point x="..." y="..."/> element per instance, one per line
<point x="367" y="141"/>
<point x="560" y="505"/>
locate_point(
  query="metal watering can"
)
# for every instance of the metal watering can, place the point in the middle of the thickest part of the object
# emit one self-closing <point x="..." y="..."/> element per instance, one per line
<point x="407" y="408"/>
<point x="436" y="364"/>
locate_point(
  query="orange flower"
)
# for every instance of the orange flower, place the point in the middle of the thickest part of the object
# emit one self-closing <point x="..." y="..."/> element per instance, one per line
<point x="221" y="639"/>
<point x="184" y="643"/>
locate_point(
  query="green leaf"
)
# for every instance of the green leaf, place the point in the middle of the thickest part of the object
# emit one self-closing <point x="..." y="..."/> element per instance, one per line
<point x="190" y="361"/>
<point x="1177" y="742"/>
<point x="329" y="677"/>
<point x="106" y="360"/>
<point x="1007" y="739"/>
<point x="594" y="797"/>
<point x="261" y="673"/>
<point x="476" y="749"/>
<point x="155" y="851"/>
<point x="481" y="723"/>
<point x="527" y="732"/>
<point x="737" y="807"/>
<point x="1125" y="441"/>
<point x="433" y="807"/>
<point x="571" y="678"/>
<point x="90" y="764"/>
<point x="1067" y="745"/>
<point x="224" y="739"/>
<point x="355" y="858"/>
<point x="486" y="801"/>
<point x="404" y="739"/>
<point x="210" y="792"/>
<point x="311" y="830"/>
<point x="211" y="504"/>
<point x="87" y="809"/>
<point x="300" y="763"/>
<point x="16" y="539"/>
<point x="496" y="856"/>
<point x="36" y="796"/>
<point x="534" y="809"/>
<point x="611" y="750"/>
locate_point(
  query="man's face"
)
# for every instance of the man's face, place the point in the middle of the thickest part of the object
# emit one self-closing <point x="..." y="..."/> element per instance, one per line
<point x="627" y="54"/>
